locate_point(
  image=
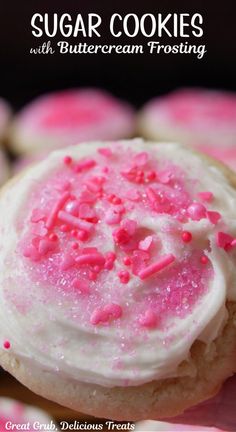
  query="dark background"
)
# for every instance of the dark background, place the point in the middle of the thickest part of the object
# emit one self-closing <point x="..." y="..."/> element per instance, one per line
<point x="134" y="77"/>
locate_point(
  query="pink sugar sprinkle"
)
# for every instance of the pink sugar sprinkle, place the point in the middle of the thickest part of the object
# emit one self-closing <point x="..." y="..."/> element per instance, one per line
<point x="146" y="243"/>
<point x="55" y="210"/>
<point x="233" y="243"/>
<point x="93" y="186"/>
<point x="105" y="151"/>
<point x="206" y="196"/>
<point x="204" y="259"/>
<point x="111" y="311"/>
<point x="39" y="229"/>
<point x="30" y="251"/>
<point x="112" y="217"/>
<point x="133" y="195"/>
<point x="64" y="228"/>
<point x="164" y="176"/>
<point x="92" y="275"/>
<point x="109" y="264"/>
<point x="124" y="276"/>
<point x="91" y="259"/>
<point x="140" y="159"/>
<point x="121" y="236"/>
<point x="186" y="236"/>
<point x="37" y="215"/>
<point x="46" y="246"/>
<point x="72" y="207"/>
<point x="127" y="261"/>
<point x="213" y="216"/>
<point x="159" y="265"/>
<point x="223" y="239"/>
<point x="99" y="316"/>
<point x="67" y="160"/>
<point x="197" y="211"/>
<point x="114" y="310"/>
<point x="151" y="175"/>
<point x="87" y="196"/>
<point x="74" y="245"/>
<point x="67" y="262"/>
<point x="53" y="237"/>
<point x="74" y="221"/>
<point x="151" y="194"/>
<point x="129" y="225"/>
<point x="82" y="235"/>
<point x="149" y="319"/>
<point x="111" y="256"/>
<point x="86" y="211"/>
<point x="81" y="285"/>
<point x="84" y="165"/>
<point x="6" y="344"/>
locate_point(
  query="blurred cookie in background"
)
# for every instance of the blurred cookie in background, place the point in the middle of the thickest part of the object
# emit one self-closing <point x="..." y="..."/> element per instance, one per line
<point x="204" y="119"/>
<point x="68" y="117"/>
<point x="24" y="417"/>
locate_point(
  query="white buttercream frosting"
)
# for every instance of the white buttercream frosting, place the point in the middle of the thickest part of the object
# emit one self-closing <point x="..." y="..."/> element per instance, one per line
<point x="49" y="329"/>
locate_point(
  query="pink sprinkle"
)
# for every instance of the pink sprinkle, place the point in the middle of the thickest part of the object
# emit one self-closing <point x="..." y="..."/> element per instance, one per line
<point x="233" y="243"/>
<point x="93" y="186"/>
<point x="81" y="286"/>
<point x="53" y="237"/>
<point x="91" y="259"/>
<point x="31" y="252"/>
<point x="85" y="165"/>
<point x="64" y="228"/>
<point x="92" y="275"/>
<point x="133" y="195"/>
<point x="197" y="211"/>
<point x="37" y="215"/>
<point x="124" y="276"/>
<point x="223" y="239"/>
<point x="159" y="265"/>
<point x="56" y="208"/>
<point x="67" y="262"/>
<point x="109" y="264"/>
<point x="67" y="160"/>
<point x="213" y="216"/>
<point x="6" y="345"/>
<point x="74" y="221"/>
<point x="146" y="243"/>
<point x="87" y="196"/>
<point x="140" y="159"/>
<point x="121" y="236"/>
<point x="186" y="236"/>
<point x="204" y="259"/>
<point x="149" y="319"/>
<point x="111" y="256"/>
<point x="82" y="235"/>
<point x="46" y="246"/>
<point x="129" y="225"/>
<point x="111" y="311"/>
<point x="72" y="207"/>
<point x="74" y="245"/>
<point x="151" y="194"/>
<point x="86" y="212"/>
<point x="206" y="196"/>
<point x="127" y="261"/>
<point x="99" y="316"/>
<point x="164" y="176"/>
<point x="112" y="217"/>
<point x="105" y="151"/>
<point x="151" y="175"/>
<point x="114" y="310"/>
